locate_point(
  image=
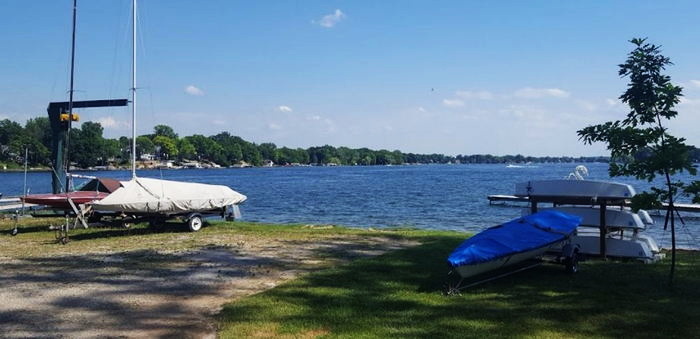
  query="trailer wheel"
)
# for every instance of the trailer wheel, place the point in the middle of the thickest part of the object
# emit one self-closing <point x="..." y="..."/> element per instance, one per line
<point x="195" y="223"/>
<point x="572" y="263"/>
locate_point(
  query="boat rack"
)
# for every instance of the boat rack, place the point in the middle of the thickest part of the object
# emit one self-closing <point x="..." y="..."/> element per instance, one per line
<point x="495" y="198"/>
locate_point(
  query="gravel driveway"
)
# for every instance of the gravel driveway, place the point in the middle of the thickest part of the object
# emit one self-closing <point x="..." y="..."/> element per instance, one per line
<point x="152" y="293"/>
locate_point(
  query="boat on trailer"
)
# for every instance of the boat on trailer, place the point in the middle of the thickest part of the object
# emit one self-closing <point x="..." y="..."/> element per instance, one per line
<point x="514" y="242"/>
<point x="156" y="200"/>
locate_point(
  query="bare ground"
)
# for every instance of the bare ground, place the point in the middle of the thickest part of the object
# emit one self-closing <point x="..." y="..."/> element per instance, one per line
<point x="158" y="293"/>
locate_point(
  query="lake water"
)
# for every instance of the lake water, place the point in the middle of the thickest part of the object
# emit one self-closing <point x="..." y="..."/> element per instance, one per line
<point x="449" y="197"/>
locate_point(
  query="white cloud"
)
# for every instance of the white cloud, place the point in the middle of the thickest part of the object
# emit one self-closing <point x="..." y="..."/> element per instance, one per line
<point x="192" y="90"/>
<point x="314" y="118"/>
<point x="586" y="105"/>
<point x="421" y="109"/>
<point x="284" y="108"/>
<point x="274" y="126"/>
<point x="452" y="102"/>
<point x="695" y="83"/>
<point x="611" y="102"/>
<point x="689" y="101"/>
<point x="480" y="95"/>
<point x="111" y="123"/>
<point x="330" y="20"/>
<point x="536" y="93"/>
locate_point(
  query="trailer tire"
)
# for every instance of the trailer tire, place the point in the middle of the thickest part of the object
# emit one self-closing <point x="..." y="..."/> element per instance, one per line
<point x="195" y="223"/>
<point x="572" y="263"/>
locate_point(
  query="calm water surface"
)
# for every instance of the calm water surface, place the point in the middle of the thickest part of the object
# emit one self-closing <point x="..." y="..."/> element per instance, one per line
<point x="451" y="197"/>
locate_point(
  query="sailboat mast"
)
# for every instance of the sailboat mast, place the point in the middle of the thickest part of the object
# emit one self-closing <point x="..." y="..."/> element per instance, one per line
<point x="66" y="156"/>
<point x="133" y="91"/>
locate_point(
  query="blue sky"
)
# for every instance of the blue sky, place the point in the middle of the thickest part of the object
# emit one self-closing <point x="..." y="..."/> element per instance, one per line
<point x="454" y="77"/>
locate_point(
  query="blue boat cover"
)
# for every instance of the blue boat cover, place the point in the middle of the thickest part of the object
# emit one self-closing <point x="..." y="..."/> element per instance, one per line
<point x="518" y="235"/>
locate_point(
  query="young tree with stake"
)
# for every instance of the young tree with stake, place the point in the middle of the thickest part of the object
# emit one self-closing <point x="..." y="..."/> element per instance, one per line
<point x="640" y="145"/>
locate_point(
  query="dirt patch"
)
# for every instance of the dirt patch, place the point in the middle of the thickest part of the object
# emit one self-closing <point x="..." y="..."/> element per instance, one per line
<point x="164" y="293"/>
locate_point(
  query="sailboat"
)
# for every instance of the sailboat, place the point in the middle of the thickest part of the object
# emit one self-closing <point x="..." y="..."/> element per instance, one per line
<point x="157" y="199"/>
<point x="65" y="198"/>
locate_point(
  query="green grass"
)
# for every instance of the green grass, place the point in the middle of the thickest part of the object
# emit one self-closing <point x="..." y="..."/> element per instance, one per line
<point x="34" y="238"/>
<point x="399" y="295"/>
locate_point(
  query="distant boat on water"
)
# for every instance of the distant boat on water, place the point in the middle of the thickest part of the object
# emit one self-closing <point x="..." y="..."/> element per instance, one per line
<point x="527" y="165"/>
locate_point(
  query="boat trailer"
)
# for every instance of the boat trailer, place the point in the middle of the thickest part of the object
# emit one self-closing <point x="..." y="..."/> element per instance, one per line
<point x="569" y="257"/>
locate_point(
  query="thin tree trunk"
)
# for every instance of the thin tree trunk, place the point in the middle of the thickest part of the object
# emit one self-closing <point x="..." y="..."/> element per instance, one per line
<point x="673" y="228"/>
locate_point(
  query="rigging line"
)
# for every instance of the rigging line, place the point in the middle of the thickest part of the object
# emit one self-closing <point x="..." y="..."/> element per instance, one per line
<point x="116" y="67"/>
<point x="145" y="71"/>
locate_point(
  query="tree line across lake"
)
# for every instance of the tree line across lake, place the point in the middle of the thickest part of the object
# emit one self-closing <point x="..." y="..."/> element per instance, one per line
<point x="88" y="148"/>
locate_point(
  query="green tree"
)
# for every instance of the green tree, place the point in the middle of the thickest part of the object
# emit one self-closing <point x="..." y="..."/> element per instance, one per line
<point x="112" y="150"/>
<point x="39" y="129"/>
<point x="268" y="151"/>
<point x="165" y="131"/>
<point x="207" y="149"/>
<point x="144" y="145"/>
<point x="87" y="145"/>
<point x="640" y="145"/>
<point x="125" y="148"/>
<point x="167" y="147"/>
<point x="185" y="149"/>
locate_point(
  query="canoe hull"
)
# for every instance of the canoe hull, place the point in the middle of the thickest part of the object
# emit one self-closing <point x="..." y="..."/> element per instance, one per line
<point x="60" y="200"/>
<point x="574" y="188"/>
<point x="630" y="246"/>
<point x="466" y="271"/>
<point x="591" y="216"/>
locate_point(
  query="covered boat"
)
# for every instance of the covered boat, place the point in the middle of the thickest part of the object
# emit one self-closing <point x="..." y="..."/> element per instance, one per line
<point x="141" y="196"/>
<point x="513" y="242"/>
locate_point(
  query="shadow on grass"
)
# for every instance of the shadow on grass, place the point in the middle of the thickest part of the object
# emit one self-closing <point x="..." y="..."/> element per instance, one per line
<point x="111" y="232"/>
<point x="399" y="294"/>
<point x="70" y="294"/>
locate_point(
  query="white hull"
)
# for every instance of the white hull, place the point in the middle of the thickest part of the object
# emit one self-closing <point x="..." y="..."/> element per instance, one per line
<point x="574" y="188"/>
<point x="466" y="271"/>
<point x="591" y="216"/>
<point x="630" y="245"/>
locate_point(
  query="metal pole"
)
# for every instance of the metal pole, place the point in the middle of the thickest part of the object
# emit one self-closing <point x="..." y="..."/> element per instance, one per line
<point x="603" y="229"/>
<point x="133" y="91"/>
<point x="70" y="96"/>
<point x="24" y="190"/>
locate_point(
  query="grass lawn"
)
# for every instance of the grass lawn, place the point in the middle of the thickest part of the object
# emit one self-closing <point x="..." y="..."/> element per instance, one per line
<point x="399" y="295"/>
<point x="34" y="238"/>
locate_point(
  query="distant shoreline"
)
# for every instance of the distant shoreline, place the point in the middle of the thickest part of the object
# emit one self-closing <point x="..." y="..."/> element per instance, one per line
<point x="15" y="170"/>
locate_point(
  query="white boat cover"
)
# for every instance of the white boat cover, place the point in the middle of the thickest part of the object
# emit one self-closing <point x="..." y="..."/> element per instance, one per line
<point x="146" y="195"/>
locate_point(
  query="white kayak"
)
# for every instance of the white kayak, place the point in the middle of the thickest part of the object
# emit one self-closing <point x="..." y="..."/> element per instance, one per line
<point x="591" y="216"/>
<point x="574" y="188"/>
